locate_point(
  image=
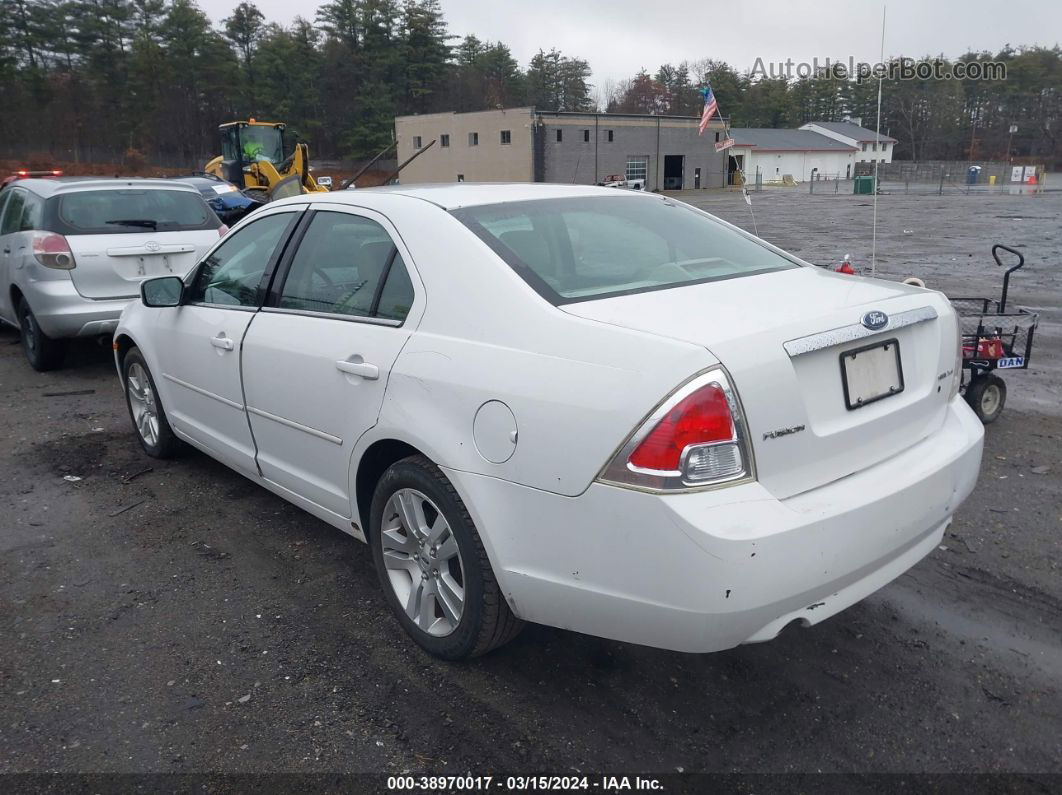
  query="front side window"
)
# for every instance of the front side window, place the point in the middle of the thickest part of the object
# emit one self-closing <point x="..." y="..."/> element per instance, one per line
<point x="506" y="137"/>
<point x="580" y="249"/>
<point x="416" y="142"/>
<point x="444" y="140"/>
<point x="134" y="210"/>
<point x="473" y="139"/>
<point x="347" y="265"/>
<point x="232" y="274"/>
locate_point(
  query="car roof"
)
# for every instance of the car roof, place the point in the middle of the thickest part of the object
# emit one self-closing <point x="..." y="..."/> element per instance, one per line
<point x="452" y="196"/>
<point x="51" y="186"/>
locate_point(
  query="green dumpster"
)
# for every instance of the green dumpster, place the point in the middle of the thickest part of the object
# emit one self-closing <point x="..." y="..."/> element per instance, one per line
<point x="863" y="185"/>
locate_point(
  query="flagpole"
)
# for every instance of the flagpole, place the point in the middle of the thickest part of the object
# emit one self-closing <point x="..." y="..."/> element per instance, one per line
<point x="706" y="91"/>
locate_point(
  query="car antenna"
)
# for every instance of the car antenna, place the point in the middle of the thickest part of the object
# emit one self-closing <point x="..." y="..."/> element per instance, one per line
<point x="877" y="145"/>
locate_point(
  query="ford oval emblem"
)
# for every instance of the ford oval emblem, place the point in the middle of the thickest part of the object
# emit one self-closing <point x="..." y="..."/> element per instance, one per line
<point x="151" y="245"/>
<point x="875" y="320"/>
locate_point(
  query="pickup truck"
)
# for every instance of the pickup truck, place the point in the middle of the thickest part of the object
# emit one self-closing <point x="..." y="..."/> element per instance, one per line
<point x="621" y="181"/>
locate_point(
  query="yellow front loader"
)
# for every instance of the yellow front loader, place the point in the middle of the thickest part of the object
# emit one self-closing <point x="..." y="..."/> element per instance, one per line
<point x="252" y="158"/>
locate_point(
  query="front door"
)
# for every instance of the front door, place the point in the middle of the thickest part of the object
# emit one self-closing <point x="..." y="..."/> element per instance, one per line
<point x="199" y="351"/>
<point x="317" y="357"/>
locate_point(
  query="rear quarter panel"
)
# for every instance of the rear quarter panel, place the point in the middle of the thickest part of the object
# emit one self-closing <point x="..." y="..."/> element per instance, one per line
<point x="577" y="388"/>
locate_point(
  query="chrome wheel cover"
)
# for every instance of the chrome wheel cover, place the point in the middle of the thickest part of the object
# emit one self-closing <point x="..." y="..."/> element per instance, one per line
<point x="142" y="403"/>
<point x="423" y="562"/>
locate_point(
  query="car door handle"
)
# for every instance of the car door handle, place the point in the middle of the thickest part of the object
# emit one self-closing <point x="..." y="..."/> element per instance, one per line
<point x="370" y="372"/>
<point x="222" y="342"/>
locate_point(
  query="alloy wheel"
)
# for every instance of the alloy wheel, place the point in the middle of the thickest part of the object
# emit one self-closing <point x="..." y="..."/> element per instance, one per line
<point x="29" y="333"/>
<point x="143" y="404"/>
<point x="423" y="562"/>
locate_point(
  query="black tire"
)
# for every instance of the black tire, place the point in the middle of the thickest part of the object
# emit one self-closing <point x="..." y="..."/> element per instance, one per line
<point x="165" y="445"/>
<point x="987" y="395"/>
<point x="486" y="621"/>
<point x="43" y="352"/>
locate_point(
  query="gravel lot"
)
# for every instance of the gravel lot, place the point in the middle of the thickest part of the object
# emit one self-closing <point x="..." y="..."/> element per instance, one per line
<point x="174" y="617"/>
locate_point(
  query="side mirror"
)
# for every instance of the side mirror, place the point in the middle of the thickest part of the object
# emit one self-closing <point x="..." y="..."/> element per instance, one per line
<point x="163" y="291"/>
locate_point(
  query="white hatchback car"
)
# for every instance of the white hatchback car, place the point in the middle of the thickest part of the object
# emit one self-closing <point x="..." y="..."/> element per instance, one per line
<point x="608" y="412"/>
<point x="74" y="250"/>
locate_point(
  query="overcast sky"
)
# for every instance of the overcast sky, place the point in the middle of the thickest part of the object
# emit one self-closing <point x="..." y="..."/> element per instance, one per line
<point x="619" y="37"/>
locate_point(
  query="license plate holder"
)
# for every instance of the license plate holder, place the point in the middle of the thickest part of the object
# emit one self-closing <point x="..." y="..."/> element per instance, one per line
<point x="871" y="373"/>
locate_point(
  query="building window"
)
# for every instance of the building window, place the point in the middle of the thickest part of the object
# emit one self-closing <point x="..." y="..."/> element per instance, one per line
<point x="460" y="177"/>
<point x="874" y="147"/>
<point x="637" y="168"/>
<point x="444" y="141"/>
<point x="883" y="147"/>
<point x="506" y="137"/>
<point x="610" y="136"/>
<point x="864" y="147"/>
<point x="473" y="139"/>
<point x="586" y="136"/>
<point x="560" y="135"/>
<point x="416" y="142"/>
<point x="717" y="136"/>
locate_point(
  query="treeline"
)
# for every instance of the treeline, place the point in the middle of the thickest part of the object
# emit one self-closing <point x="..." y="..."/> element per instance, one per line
<point x="81" y="76"/>
<point x="85" y="78"/>
<point x="943" y="117"/>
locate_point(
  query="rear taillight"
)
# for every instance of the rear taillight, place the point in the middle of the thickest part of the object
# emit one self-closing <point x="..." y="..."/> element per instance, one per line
<point x="52" y="251"/>
<point x="695" y="438"/>
<point x="223" y="230"/>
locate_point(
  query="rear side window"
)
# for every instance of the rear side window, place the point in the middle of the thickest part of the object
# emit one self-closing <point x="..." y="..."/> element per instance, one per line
<point x="12" y="219"/>
<point x="133" y="210"/>
<point x="347" y="265"/>
<point x="31" y="213"/>
<point x="595" y="247"/>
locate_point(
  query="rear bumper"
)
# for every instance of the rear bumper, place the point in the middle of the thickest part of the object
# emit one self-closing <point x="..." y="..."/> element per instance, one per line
<point x="707" y="571"/>
<point x="62" y="312"/>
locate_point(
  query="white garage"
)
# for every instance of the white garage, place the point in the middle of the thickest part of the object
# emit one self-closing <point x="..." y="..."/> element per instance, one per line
<point x="800" y="154"/>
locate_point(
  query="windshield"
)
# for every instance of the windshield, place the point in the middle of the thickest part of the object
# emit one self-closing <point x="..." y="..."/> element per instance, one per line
<point x="262" y="142"/>
<point x="132" y="210"/>
<point x="578" y="249"/>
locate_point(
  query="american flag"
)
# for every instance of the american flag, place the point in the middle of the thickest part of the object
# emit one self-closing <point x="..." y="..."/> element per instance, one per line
<point x="710" y="108"/>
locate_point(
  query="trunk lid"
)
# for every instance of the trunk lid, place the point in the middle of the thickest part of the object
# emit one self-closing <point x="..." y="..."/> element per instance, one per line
<point x="781" y="335"/>
<point x="113" y="265"/>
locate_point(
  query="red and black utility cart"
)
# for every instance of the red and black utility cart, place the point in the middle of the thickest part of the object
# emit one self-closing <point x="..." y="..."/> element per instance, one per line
<point x="993" y="339"/>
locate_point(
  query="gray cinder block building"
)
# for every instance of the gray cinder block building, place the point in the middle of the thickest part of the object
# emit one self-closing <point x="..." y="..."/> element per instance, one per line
<point x="528" y="145"/>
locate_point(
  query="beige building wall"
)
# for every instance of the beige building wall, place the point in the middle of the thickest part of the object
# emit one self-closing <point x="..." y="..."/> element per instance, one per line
<point x="488" y="160"/>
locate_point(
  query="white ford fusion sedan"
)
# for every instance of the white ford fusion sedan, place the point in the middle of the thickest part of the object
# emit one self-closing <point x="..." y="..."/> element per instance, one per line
<point x="603" y="411"/>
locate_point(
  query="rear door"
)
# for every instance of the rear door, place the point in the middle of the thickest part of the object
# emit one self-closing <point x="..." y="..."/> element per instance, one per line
<point x="317" y="358"/>
<point x="121" y="236"/>
<point x="197" y="344"/>
<point x="9" y="245"/>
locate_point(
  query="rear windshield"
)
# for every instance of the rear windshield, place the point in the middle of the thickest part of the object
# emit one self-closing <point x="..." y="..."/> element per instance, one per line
<point x="134" y="210"/>
<point x="580" y="249"/>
